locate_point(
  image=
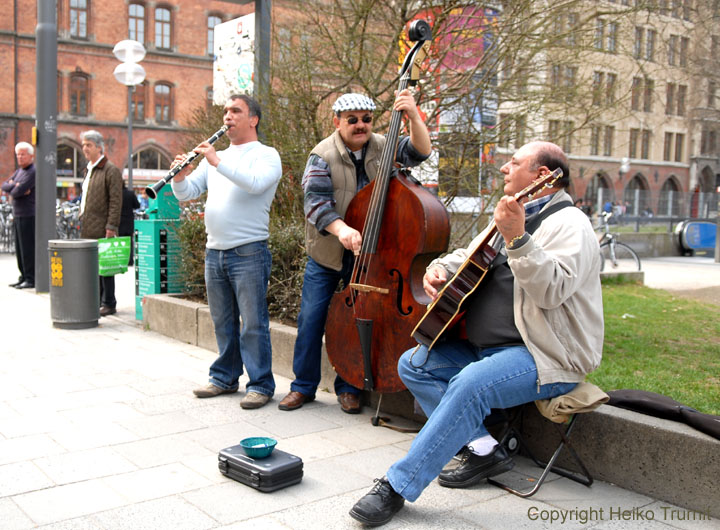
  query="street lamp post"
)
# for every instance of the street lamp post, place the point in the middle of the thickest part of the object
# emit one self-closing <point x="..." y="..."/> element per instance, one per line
<point x="129" y="73"/>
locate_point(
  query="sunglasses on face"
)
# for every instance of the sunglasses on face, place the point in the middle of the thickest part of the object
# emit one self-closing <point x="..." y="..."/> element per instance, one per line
<point x="352" y="120"/>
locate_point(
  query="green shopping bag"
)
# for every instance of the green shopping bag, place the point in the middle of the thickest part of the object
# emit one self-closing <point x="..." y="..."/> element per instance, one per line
<point x="113" y="255"/>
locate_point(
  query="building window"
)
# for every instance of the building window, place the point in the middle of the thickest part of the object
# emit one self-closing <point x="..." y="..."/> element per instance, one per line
<point x="553" y="130"/>
<point x="162" y="28"/>
<point x="636" y="93"/>
<point x="645" y="147"/>
<point x="676" y="8"/>
<point x="597" y="84"/>
<point x="163" y="103"/>
<point x="520" y="127"/>
<point x="136" y="22"/>
<point x="712" y="87"/>
<point x="612" y="33"/>
<point x="714" y="47"/>
<point x="78" y="18"/>
<point x="667" y="146"/>
<point x="610" y="88"/>
<point x="572" y="20"/>
<point x="672" y="50"/>
<point x="679" y="144"/>
<point x="633" y="143"/>
<point x="79" y="95"/>
<point x="150" y="158"/>
<point x="59" y="94"/>
<point x="595" y="140"/>
<point x="608" y="140"/>
<point x="638" y="46"/>
<point x="684" y="46"/>
<point x="555" y="75"/>
<point x="138" y="102"/>
<point x="650" y="45"/>
<point x="647" y="100"/>
<point x="599" y="33"/>
<point x="681" y="96"/>
<point x="670" y="99"/>
<point x="212" y="21"/>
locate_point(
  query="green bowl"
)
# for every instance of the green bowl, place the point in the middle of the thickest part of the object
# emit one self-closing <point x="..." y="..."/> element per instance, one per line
<point x="258" y="446"/>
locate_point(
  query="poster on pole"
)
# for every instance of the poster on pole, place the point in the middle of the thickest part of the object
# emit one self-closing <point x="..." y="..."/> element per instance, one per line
<point x="234" y="49"/>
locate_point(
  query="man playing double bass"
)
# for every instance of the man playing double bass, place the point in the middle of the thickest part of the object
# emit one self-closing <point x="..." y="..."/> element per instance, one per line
<point x="338" y="167"/>
<point x="534" y="326"/>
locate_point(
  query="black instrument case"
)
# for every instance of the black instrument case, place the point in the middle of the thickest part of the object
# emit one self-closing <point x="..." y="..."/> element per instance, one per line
<point x="277" y="471"/>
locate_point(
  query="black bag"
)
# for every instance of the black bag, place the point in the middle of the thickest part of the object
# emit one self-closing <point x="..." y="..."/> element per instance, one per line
<point x="661" y="406"/>
<point x="277" y="471"/>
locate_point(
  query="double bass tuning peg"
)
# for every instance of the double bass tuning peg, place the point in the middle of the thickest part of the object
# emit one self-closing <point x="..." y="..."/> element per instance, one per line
<point x="419" y="31"/>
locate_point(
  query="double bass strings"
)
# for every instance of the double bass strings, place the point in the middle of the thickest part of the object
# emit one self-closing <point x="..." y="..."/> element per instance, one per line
<point x="373" y="219"/>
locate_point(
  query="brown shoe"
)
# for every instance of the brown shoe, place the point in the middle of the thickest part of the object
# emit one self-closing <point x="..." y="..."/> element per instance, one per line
<point x="107" y="310"/>
<point x="211" y="391"/>
<point x="349" y="403"/>
<point x="294" y="400"/>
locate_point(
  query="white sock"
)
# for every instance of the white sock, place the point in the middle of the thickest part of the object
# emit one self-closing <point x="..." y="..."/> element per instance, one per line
<point x="483" y="446"/>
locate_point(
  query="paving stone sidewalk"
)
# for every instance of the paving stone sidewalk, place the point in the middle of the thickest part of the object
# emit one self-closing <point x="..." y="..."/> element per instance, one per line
<point x="99" y="430"/>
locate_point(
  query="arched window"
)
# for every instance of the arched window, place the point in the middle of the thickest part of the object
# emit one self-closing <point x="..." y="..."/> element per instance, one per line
<point x="70" y="163"/>
<point x="78" y="18"/>
<point x="212" y="21"/>
<point x="136" y="22"/>
<point x="79" y="96"/>
<point x="163" y="103"/>
<point x="636" y="196"/>
<point x="163" y="28"/>
<point x="138" y="102"/>
<point x="150" y="158"/>
<point x="669" y="200"/>
<point x="599" y="191"/>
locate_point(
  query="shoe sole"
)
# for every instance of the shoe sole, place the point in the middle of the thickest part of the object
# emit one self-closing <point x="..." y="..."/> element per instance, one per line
<point x="287" y="407"/>
<point x="253" y="405"/>
<point x="367" y="522"/>
<point x="497" y="469"/>
<point x="203" y="395"/>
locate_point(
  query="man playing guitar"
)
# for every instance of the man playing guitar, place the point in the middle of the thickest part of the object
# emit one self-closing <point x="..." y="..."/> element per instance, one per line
<point x="534" y="329"/>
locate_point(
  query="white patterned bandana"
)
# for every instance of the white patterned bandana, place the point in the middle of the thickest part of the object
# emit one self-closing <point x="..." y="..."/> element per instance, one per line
<point x="353" y="102"/>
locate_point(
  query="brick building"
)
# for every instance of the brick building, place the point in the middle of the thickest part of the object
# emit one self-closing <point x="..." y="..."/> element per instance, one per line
<point x="177" y="35"/>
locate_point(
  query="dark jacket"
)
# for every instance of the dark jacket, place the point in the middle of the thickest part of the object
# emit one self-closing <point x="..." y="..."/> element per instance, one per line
<point x="17" y="186"/>
<point x="103" y="202"/>
<point x="129" y="204"/>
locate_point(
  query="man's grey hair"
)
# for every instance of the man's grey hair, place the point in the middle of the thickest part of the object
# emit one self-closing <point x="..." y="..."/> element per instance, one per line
<point x="94" y="137"/>
<point x="24" y="145"/>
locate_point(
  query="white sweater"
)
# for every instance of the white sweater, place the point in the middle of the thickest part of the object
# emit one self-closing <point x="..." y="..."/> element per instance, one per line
<point x="240" y="191"/>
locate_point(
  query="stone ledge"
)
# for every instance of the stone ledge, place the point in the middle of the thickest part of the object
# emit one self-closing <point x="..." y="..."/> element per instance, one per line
<point x="665" y="460"/>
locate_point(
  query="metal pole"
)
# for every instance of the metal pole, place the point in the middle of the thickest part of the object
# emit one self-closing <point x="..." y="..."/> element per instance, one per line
<point x="46" y="149"/>
<point x="263" y="10"/>
<point x="130" y="120"/>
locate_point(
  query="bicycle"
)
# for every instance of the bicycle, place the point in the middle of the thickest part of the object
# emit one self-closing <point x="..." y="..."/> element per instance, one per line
<point x="7" y="232"/>
<point x="621" y="257"/>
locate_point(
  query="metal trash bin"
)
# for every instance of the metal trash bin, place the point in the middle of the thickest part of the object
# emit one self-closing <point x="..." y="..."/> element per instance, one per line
<point x="74" y="284"/>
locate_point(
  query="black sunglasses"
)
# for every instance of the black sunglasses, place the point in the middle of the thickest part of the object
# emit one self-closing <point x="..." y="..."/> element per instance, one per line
<point x="352" y="120"/>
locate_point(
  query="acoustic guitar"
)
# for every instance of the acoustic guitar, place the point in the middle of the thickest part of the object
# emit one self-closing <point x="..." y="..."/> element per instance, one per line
<point x="447" y="308"/>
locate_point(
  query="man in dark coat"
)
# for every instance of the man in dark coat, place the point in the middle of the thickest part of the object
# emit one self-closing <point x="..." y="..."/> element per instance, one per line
<point x="21" y="188"/>
<point x="100" y="206"/>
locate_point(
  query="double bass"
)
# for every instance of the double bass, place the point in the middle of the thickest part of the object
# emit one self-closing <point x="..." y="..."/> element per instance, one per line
<point x="403" y="228"/>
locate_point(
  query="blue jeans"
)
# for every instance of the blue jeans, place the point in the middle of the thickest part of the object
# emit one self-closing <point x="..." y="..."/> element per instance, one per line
<point x="456" y="385"/>
<point x="236" y="280"/>
<point x="319" y="284"/>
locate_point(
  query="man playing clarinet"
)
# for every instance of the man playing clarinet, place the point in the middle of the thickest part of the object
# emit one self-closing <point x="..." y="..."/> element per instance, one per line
<point x="240" y="182"/>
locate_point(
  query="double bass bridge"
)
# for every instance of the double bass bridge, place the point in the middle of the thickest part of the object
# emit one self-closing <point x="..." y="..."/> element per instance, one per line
<point x="363" y="288"/>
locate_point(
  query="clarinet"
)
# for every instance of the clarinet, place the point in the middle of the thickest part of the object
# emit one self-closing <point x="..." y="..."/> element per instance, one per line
<point x="151" y="191"/>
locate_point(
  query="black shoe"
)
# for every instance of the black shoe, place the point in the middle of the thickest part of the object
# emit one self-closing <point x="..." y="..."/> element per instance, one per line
<point x="15" y="284"/>
<point x="379" y="505"/>
<point x="474" y="468"/>
<point x="25" y="285"/>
